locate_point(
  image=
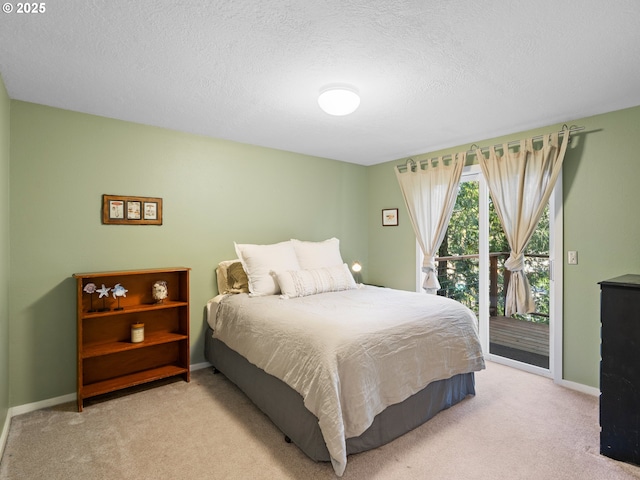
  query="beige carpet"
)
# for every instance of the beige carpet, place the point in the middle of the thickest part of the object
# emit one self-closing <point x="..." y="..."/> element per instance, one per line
<point x="518" y="426"/>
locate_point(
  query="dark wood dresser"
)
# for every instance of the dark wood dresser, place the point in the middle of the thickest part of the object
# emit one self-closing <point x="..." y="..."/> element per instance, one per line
<point x="620" y="369"/>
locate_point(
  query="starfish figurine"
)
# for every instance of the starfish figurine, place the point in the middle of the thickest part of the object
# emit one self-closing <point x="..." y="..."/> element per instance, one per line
<point x="104" y="291"/>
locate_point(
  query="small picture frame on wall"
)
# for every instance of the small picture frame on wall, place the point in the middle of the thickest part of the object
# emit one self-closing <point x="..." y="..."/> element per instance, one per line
<point x="133" y="210"/>
<point x="390" y="217"/>
<point x="150" y="210"/>
<point x="128" y="210"/>
<point x="116" y="209"/>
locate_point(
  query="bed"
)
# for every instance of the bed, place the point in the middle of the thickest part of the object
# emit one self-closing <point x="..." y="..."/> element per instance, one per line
<point x="339" y="368"/>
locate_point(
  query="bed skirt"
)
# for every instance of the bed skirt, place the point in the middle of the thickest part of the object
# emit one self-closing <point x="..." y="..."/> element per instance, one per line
<point x="285" y="407"/>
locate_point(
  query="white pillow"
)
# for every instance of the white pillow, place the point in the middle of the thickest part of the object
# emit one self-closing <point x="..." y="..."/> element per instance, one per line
<point x="300" y="283"/>
<point x="313" y="255"/>
<point x="262" y="261"/>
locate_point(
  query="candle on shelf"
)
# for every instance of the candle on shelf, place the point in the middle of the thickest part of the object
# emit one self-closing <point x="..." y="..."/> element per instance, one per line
<point x="137" y="332"/>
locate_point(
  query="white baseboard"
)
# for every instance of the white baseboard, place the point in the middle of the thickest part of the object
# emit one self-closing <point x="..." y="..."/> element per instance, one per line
<point x="50" y="402"/>
<point x="5" y="432"/>
<point x="580" y="387"/>
<point x="200" y="366"/>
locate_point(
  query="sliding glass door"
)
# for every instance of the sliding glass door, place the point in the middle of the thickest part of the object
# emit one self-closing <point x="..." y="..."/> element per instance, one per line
<point x="471" y="270"/>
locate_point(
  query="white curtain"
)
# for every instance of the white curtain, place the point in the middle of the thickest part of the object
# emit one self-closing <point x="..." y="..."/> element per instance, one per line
<point x="520" y="184"/>
<point x="430" y="190"/>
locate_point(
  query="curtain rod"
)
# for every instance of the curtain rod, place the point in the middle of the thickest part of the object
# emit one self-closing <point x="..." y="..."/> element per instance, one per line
<point x="568" y="130"/>
<point x="472" y="150"/>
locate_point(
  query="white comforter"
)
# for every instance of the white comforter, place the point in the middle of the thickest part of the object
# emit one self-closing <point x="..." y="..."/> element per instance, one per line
<point x="351" y="354"/>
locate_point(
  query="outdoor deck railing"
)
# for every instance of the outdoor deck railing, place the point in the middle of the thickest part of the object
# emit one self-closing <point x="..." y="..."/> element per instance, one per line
<point x="494" y="278"/>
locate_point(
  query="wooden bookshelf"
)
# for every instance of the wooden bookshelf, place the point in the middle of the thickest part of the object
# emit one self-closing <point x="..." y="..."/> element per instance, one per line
<point x="107" y="359"/>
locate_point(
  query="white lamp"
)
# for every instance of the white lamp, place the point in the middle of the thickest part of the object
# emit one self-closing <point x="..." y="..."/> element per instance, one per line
<point x="339" y="101"/>
<point x="356" y="268"/>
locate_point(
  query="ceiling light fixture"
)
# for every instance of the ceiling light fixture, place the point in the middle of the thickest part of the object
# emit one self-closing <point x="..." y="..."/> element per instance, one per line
<point x="339" y="101"/>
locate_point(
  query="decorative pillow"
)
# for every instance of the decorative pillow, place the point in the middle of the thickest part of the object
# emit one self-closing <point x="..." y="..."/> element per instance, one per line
<point x="230" y="280"/>
<point x="313" y="255"/>
<point x="237" y="278"/>
<point x="300" y="283"/>
<point x="260" y="262"/>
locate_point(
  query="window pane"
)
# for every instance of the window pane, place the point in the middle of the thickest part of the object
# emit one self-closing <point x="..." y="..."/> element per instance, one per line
<point x="521" y="337"/>
<point x="524" y="338"/>
<point x="458" y="266"/>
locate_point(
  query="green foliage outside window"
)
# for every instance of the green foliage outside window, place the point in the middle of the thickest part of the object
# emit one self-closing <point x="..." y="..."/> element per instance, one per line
<point x="459" y="277"/>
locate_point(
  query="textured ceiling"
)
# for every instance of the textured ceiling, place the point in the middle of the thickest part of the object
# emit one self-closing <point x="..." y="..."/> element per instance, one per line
<point x="431" y="73"/>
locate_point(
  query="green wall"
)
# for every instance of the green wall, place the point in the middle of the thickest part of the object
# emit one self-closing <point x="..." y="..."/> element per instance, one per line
<point x="601" y="176"/>
<point x="4" y="253"/>
<point x="214" y="192"/>
<point x="600" y="185"/>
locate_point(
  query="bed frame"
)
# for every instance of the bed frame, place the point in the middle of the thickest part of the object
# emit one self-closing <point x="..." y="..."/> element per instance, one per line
<point x="285" y="407"/>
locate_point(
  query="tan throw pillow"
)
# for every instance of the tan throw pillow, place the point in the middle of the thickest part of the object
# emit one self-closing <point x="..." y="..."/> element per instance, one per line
<point x="237" y="278"/>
